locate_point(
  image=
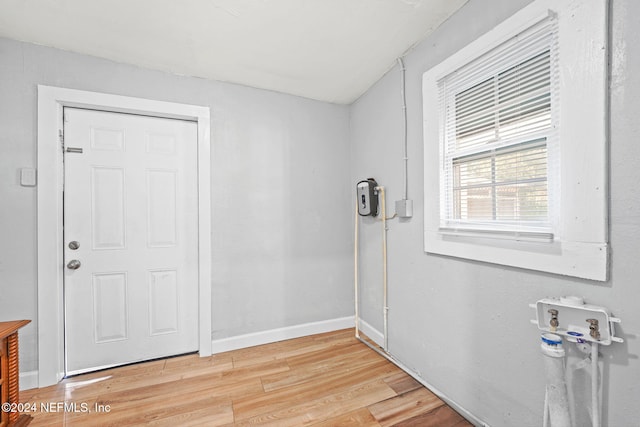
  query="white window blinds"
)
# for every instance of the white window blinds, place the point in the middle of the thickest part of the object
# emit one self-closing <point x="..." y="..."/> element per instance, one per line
<point x="498" y="130"/>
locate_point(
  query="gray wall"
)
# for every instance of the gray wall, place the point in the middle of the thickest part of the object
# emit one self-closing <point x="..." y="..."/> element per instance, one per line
<point x="280" y="197"/>
<point x="464" y="325"/>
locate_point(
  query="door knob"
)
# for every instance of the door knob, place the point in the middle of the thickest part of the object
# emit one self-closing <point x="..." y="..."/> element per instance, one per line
<point x="74" y="264"/>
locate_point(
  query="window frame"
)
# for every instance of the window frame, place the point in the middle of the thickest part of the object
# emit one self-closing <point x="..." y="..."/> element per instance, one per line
<point x="578" y="245"/>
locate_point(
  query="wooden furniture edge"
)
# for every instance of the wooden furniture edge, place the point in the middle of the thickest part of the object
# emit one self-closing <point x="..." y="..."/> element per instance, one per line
<point x="9" y="331"/>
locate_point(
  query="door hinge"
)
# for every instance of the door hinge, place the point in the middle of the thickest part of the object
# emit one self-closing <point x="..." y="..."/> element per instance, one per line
<point x="61" y="136"/>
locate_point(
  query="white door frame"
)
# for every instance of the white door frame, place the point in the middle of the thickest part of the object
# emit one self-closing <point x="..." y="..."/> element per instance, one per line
<point x="51" y="101"/>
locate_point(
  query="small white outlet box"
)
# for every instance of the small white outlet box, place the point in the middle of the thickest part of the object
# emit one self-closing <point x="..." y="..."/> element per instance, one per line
<point x="404" y="208"/>
<point x="28" y="177"/>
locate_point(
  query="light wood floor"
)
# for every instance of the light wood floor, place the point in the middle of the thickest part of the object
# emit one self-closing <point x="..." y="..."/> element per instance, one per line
<point x="323" y="380"/>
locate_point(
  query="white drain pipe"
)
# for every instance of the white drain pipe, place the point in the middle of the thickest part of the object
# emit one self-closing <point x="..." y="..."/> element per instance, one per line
<point x="595" y="403"/>
<point x="556" y="411"/>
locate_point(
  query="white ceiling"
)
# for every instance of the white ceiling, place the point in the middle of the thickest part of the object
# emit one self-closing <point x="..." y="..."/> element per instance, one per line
<point x="330" y="50"/>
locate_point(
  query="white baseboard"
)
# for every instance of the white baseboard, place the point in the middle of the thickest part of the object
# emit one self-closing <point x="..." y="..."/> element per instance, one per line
<point x="371" y="332"/>
<point x="28" y="380"/>
<point x="280" y="334"/>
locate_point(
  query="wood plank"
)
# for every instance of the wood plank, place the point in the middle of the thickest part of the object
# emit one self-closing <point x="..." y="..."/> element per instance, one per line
<point x="442" y="416"/>
<point x="402" y="383"/>
<point x="324" y="353"/>
<point x="403" y="407"/>
<point x="358" y="418"/>
<point x="273" y="367"/>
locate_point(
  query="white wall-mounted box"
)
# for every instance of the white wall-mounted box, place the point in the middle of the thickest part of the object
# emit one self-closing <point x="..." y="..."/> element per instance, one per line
<point x="572" y="317"/>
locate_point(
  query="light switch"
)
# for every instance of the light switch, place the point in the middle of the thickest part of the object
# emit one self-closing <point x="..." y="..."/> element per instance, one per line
<point x="28" y="177"/>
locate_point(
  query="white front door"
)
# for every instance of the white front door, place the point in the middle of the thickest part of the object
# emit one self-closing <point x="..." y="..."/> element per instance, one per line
<point x="131" y="238"/>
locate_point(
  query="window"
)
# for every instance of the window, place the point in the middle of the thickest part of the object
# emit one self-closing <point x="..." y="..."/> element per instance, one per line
<point x="515" y="143"/>
<point x="497" y="133"/>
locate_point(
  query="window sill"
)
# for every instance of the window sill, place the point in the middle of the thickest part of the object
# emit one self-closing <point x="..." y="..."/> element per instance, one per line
<point x="577" y="259"/>
<point x="519" y="236"/>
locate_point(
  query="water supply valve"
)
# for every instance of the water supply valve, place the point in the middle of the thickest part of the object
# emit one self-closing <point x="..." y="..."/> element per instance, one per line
<point x="594" y="329"/>
<point x="553" y="323"/>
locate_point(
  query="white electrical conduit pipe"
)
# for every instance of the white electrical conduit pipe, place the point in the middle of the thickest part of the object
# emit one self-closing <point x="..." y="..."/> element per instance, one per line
<point x="385" y="308"/>
<point x="355" y="272"/>
<point x="405" y="158"/>
<point x="385" y="305"/>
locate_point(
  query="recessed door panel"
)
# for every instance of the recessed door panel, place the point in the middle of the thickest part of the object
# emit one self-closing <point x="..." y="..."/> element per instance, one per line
<point x="161" y="208"/>
<point x="110" y="306"/>
<point x="107" y="208"/>
<point x="163" y="294"/>
<point x="161" y="144"/>
<point x="107" y="139"/>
